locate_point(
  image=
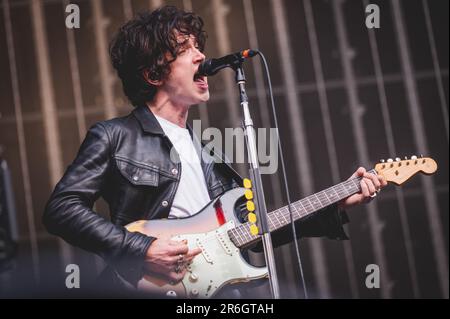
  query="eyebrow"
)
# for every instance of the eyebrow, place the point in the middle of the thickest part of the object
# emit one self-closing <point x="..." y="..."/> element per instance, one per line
<point x="185" y="38"/>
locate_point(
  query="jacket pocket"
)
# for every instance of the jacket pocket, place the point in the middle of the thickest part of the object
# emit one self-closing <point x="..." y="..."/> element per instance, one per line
<point x="138" y="173"/>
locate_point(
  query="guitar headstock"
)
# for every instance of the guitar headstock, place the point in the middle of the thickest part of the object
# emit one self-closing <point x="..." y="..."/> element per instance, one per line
<point x="399" y="171"/>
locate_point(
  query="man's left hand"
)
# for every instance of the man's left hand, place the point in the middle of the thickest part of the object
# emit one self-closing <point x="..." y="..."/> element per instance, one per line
<point x="371" y="184"/>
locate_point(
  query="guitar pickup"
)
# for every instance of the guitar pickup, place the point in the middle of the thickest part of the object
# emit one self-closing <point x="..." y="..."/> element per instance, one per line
<point x="223" y="240"/>
<point x="205" y="253"/>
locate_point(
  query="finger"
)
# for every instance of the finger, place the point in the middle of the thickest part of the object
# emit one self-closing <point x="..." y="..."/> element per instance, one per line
<point x="180" y="249"/>
<point x="177" y="242"/>
<point x="172" y="260"/>
<point x="374" y="180"/>
<point x="359" y="172"/>
<point x="181" y="275"/>
<point x="190" y="257"/>
<point x="370" y="186"/>
<point x="193" y="252"/>
<point x="176" y="277"/>
<point x="382" y="180"/>
<point x="364" y="188"/>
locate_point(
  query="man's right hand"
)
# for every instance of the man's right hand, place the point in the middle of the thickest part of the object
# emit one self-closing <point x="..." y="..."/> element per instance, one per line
<point x="169" y="258"/>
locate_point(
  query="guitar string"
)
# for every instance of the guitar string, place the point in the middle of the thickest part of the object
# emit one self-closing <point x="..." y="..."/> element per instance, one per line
<point x="241" y="232"/>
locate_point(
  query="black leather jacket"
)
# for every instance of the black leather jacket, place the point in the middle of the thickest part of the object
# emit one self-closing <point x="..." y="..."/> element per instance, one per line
<point x="127" y="161"/>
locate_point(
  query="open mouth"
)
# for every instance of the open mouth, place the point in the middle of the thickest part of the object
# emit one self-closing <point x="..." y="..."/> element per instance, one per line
<point x="201" y="79"/>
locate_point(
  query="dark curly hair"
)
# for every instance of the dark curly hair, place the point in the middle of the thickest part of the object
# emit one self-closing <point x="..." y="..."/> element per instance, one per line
<point x="148" y="44"/>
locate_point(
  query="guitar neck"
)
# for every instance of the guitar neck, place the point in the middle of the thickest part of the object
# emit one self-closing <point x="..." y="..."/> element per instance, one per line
<point x="301" y="209"/>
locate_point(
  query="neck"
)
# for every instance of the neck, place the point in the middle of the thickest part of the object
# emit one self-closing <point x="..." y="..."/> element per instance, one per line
<point x="169" y="111"/>
<point x="281" y="217"/>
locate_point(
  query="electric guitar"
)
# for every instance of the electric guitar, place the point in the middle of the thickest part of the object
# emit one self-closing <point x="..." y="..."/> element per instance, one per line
<point x="221" y="236"/>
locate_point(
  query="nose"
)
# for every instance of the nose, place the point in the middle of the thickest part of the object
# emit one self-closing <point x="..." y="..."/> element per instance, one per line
<point x="199" y="56"/>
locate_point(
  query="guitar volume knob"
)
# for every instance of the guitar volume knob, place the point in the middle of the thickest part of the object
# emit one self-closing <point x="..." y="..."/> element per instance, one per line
<point x="193" y="277"/>
<point x="194" y="293"/>
<point x="171" y="293"/>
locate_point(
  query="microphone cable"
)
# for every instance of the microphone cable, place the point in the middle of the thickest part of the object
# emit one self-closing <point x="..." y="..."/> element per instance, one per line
<point x="280" y="149"/>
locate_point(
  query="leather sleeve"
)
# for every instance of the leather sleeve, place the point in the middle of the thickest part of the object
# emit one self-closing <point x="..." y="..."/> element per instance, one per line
<point x="327" y="222"/>
<point x="69" y="213"/>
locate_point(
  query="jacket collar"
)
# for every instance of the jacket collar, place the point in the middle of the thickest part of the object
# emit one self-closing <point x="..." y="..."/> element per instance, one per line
<point x="147" y="120"/>
<point x="150" y="124"/>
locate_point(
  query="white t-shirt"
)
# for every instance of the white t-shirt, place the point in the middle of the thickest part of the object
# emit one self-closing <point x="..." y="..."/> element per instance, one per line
<point x="192" y="193"/>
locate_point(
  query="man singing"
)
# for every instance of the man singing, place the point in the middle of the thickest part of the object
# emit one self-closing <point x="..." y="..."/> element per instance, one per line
<point x="128" y="161"/>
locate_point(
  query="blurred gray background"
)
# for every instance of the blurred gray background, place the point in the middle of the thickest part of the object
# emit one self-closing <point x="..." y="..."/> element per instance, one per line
<point x="346" y="96"/>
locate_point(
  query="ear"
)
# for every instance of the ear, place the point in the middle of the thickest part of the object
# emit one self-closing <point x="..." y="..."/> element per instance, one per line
<point x="148" y="78"/>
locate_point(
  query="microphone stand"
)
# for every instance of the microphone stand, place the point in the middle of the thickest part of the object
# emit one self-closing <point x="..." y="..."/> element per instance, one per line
<point x="255" y="174"/>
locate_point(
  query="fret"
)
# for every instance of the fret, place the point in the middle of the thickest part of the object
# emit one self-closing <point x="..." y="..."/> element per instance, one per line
<point x="284" y="220"/>
<point x="315" y="202"/>
<point x="233" y="232"/>
<point x="323" y="199"/>
<point x="345" y="187"/>
<point x="272" y="227"/>
<point x="341" y="190"/>
<point x="332" y="196"/>
<point x="287" y="220"/>
<point x="247" y="234"/>
<point x="236" y="236"/>
<point x="303" y="211"/>
<point x="310" y="206"/>
<point x="286" y="213"/>
<point x="298" y="212"/>
<point x="301" y="208"/>
<point x="356" y="184"/>
<point x="337" y="194"/>
<point x="328" y="198"/>
<point x="280" y="223"/>
<point x="272" y="216"/>
<point x="269" y="222"/>
<point x="348" y="186"/>
<point x="295" y="208"/>
<point x="240" y="237"/>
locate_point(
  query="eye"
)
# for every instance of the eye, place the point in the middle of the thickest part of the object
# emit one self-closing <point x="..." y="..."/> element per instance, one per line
<point x="182" y="47"/>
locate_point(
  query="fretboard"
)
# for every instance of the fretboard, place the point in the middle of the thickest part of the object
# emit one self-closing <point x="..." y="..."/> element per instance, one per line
<point x="302" y="208"/>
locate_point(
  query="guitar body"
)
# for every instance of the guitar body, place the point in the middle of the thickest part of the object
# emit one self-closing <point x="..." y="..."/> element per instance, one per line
<point x="220" y="262"/>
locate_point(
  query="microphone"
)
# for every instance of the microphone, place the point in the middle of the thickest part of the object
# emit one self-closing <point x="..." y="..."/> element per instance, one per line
<point x="212" y="66"/>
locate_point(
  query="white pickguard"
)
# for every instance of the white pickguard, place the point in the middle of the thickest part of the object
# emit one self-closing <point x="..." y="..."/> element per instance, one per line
<point x="219" y="263"/>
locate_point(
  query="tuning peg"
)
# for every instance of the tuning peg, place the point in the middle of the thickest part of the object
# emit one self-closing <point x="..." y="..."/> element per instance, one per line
<point x="406" y="158"/>
<point x="397" y="159"/>
<point x="414" y="157"/>
<point x="381" y="160"/>
<point x="421" y="156"/>
<point x="390" y="160"/>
